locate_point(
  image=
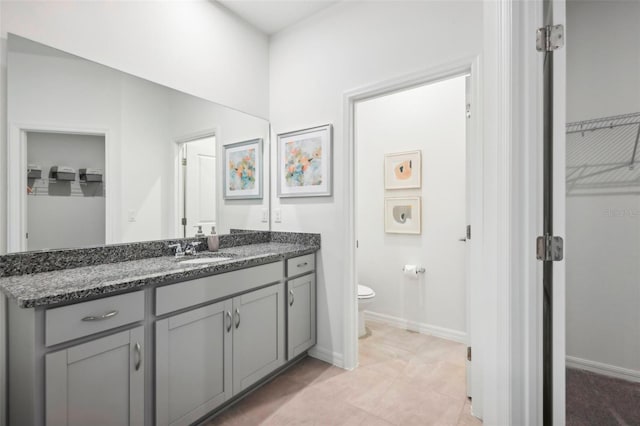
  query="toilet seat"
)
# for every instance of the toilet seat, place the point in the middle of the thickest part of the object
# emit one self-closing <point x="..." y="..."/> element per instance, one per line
<point x="365" y="292"/>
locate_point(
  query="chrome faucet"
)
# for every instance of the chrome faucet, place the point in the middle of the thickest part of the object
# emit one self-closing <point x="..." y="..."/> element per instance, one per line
<point x="191" y="248"/>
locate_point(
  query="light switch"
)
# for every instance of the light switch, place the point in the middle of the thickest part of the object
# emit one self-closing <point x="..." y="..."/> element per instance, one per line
<point x="265" y="215"/>
<point x="277" y="215"/>
<point x="132" y="215"/>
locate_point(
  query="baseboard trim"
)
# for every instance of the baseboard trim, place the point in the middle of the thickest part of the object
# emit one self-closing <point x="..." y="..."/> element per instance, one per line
<point x="423" y="328"/>
<point x="327" y="355"/>
<point x="604" y="369"/>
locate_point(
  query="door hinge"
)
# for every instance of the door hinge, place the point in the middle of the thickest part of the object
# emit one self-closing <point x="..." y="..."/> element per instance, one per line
<point x="357" y="244"/>
<point x="184" y="221"/>
<point x="184" y="161"/>
<point x="549" y="38"/>
<point x="27" y="236"/>
<point x="468" y="110"/>
<point x="469" y="353"/>
<point x="549" y="248"/>
<point x="468" y="232"/>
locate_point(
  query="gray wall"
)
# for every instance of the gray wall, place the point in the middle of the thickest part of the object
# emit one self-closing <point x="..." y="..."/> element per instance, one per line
<point x="65" y="214"/>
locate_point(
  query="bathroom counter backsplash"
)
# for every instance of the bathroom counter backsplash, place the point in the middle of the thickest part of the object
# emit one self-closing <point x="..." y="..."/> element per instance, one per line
<point x="54" y="285"/>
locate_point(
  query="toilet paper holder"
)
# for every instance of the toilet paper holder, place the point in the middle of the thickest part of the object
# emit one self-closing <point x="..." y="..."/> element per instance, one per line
<point x="420" y="270"/>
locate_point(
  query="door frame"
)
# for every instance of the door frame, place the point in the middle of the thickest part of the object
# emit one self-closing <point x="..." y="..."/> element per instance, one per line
<point x="469" y="65"/>
<point x="178" y="202"/>
<point x="17" y="179"/>
<point x="512" y="131"/>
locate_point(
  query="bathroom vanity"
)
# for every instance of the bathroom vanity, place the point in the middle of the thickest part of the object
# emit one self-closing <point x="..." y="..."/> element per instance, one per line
<point x="156" y="340"/>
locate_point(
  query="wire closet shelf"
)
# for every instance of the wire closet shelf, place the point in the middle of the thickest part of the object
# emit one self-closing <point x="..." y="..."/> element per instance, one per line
<point x="602" y="155"/>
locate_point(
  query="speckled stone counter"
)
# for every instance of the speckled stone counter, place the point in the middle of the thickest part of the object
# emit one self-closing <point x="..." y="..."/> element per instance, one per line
<point x="57" y="286"/>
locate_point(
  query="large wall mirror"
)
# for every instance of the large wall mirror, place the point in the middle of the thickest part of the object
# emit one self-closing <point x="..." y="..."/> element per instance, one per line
<point x="98" y="156"/>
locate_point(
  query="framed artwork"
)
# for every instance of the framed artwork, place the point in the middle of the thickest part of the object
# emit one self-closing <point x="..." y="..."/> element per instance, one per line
<point x="403" y="215"/>
<point x="242" y="176"/>
<point x="304" y="162"/>
<point x="403" y="170"/>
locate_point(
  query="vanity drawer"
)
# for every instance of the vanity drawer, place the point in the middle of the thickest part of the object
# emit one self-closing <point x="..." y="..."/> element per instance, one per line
<point x="300" y="265"/>
<point x="182" y="295"/>
<point x="82" y="319"/>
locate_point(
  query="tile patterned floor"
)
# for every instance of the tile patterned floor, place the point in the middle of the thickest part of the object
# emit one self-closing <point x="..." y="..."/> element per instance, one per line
<point x="404" y="378"/>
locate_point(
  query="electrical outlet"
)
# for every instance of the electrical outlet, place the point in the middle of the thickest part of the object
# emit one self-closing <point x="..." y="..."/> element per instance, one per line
<point x="132" y="215"/>
<point x="277" y="215"/>
<point x="265" y="215"/>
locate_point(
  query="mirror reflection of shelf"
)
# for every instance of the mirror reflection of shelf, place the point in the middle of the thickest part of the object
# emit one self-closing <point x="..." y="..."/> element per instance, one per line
<point x="40" y="187"/>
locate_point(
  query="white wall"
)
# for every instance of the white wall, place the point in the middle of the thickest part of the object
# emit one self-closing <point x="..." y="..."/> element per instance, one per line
<point x="194" y="46"/>
<point x="312" y="65"/>
<point x="603" y="229"/>
<point x="430" y="119"/>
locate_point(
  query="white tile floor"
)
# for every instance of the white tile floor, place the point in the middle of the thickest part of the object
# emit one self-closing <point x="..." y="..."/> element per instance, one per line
<point x="404" y="378"/>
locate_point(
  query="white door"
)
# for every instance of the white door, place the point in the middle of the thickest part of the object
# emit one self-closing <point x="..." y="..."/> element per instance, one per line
<point x="199" y="185"/>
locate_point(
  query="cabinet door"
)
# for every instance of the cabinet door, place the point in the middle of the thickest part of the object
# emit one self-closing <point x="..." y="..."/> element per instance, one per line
<point x="301" y="315"/>
<point x="258" y="335"/>
<point x="193" y="363"/>
<point x="97" y="383"/>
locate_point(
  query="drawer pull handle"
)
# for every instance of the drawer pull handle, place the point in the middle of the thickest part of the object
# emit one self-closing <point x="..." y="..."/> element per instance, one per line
<point x="102" y="317"/>
<point x="137" y="349"/>
<point x="291" y="298"/>
<point x="237" y="317"/>
<point x="230" y="321"/>
<point x="302" y="265"/>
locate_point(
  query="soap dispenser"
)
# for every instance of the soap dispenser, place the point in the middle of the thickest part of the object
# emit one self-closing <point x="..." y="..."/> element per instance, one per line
<point x="199" y="233"/>
<point x="213" y="241"/>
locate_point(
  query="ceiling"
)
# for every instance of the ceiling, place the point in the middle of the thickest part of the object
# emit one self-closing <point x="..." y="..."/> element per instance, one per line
<point x="271" y="16"/>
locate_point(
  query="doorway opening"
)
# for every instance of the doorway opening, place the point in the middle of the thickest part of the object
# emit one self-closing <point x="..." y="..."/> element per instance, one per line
<point x="196" y="184"/>
<point x="412" y="216"/>
<point x="602" y="213"/>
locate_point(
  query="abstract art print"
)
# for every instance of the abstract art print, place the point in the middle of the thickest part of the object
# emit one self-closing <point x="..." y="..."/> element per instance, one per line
<point x="403" y="170"/>
<point x="304" y="163"/>
<point x="242" y="175"/>
<point x="403" y="215"/>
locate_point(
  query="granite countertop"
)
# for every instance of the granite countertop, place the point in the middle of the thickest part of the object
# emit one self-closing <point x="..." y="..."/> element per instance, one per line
<point x="50" y="288"/>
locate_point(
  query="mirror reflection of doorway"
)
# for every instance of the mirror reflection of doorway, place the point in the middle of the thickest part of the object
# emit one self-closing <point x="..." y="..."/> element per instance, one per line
<point x="65" y="211"/>
<point x="197" y="185"/>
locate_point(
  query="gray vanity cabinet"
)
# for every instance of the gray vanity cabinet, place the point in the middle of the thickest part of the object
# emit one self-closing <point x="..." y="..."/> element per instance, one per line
<point x="258" y="335"/>
<point x="100" y="382"/>
<point x="301" y="315"/>
<point x="193" y="359"/>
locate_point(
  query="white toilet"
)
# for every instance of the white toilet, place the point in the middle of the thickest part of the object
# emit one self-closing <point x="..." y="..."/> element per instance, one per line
<point x="365" y="297"/>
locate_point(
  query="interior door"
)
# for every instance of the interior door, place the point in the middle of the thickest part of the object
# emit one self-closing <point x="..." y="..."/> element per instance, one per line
<point x="199" y="185"/>
<point x="549" y="251"/>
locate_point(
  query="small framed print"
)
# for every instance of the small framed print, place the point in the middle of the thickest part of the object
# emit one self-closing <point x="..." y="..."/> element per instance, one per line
<point x="242" y="177"/>
<point x="304" y="163"/>
<point x="403" y="170"/>
<point x="403" y="215"/>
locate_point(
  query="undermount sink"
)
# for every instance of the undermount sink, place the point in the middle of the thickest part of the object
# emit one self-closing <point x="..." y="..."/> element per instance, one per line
<point x="202" y="260"/>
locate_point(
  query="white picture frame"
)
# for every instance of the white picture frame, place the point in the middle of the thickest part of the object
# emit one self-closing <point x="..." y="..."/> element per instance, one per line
<point x="403" y="170"/>
<point x="305" y="162"/>
<point x="403" y="215"/>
